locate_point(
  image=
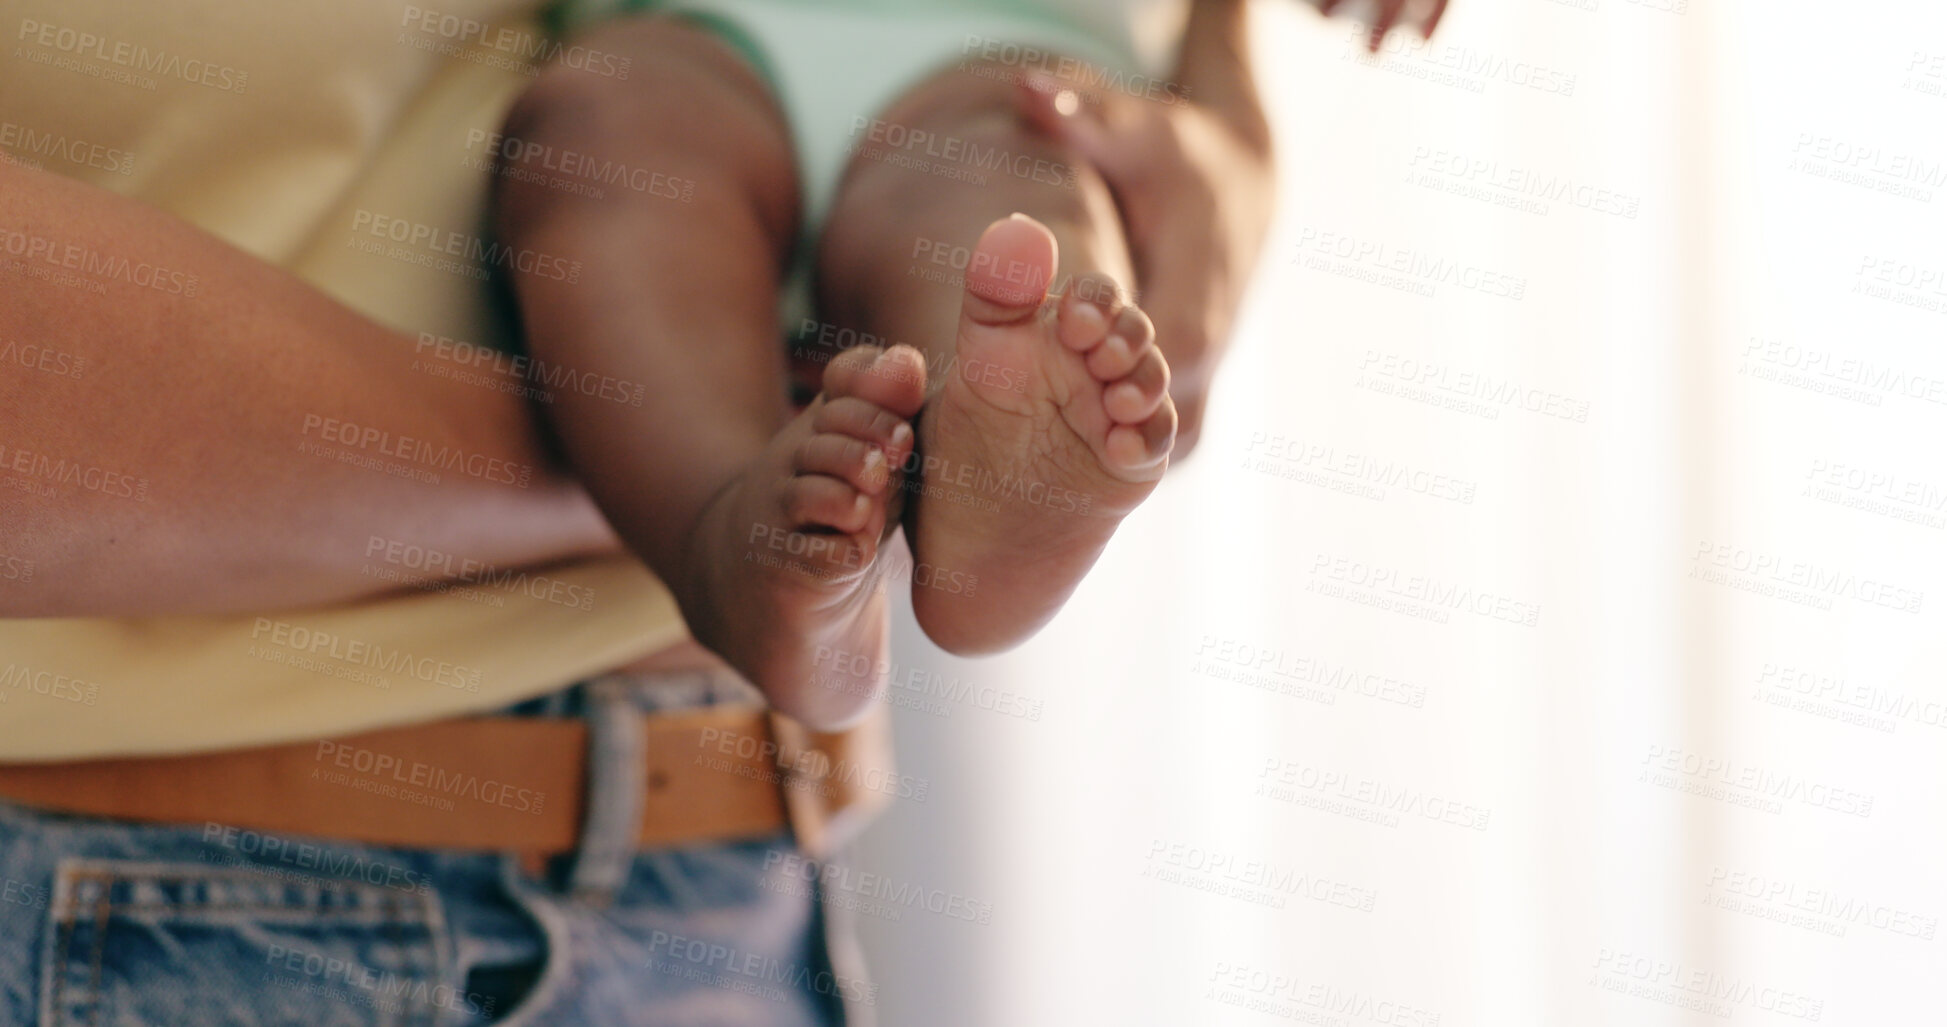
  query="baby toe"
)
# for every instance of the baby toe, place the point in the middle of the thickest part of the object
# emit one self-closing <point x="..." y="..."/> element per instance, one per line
<point x="867" y="422"/>
<point x="1088" y="308"/>
<point x="894" y="378"/>
<point x="1127" y="340"/>
<point x="1138" y="395"/>
<point x="860" y="464"/>
<point x="1143" y="450"/>
<point x="1134" y="325"/>
<point x="822" y="501"/>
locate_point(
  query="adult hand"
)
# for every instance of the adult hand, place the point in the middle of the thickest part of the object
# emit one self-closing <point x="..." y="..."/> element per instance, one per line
<point x="1192" y="175"/>
<point x="1388" y="16"/>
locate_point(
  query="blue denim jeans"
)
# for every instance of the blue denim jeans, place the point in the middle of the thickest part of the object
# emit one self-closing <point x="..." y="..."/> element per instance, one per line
<point x="108" y="922"/>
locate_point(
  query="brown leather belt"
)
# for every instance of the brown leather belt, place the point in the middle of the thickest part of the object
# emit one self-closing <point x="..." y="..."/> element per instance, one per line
<point x="502" y="783"/>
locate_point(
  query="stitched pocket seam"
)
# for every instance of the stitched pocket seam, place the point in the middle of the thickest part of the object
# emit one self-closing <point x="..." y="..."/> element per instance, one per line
<point x="391" y="911"/>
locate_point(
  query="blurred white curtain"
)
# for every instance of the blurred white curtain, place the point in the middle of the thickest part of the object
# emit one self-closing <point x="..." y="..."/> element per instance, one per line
<point x="1548" y="630"/>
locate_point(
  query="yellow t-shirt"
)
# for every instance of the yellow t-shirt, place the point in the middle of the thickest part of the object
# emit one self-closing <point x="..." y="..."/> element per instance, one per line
<point x="277" y="127"/>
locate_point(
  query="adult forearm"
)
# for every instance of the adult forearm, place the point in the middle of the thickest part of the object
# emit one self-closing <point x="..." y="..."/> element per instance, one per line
<point x="184" y="428"/>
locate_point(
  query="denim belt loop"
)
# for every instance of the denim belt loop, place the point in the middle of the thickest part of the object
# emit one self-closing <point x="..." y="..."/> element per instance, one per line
<point x="612" y="818"/>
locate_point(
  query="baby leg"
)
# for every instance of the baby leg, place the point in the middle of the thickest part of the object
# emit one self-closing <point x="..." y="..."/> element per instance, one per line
<point x="1051" y="421"/>
<point x="766" y="527"/>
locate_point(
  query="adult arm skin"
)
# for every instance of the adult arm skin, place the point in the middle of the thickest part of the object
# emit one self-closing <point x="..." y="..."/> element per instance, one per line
<point x="159" y="441"/>
<point x="1194" y="181"/>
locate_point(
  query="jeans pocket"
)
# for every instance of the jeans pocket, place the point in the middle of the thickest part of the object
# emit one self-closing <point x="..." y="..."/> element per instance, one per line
<point x="135" y="943"/>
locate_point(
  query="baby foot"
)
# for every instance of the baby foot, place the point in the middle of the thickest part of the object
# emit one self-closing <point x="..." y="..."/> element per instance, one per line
<point x="1055" y="423"/>
<point x="785" y="560"/>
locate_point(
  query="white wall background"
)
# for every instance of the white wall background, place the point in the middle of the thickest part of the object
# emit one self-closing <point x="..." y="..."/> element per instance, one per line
<point x="1675" y="761"/>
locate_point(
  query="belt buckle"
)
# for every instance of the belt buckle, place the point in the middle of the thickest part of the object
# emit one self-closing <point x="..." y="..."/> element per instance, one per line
<point x="803" y="770"/>
<point x="826" y="778"/>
